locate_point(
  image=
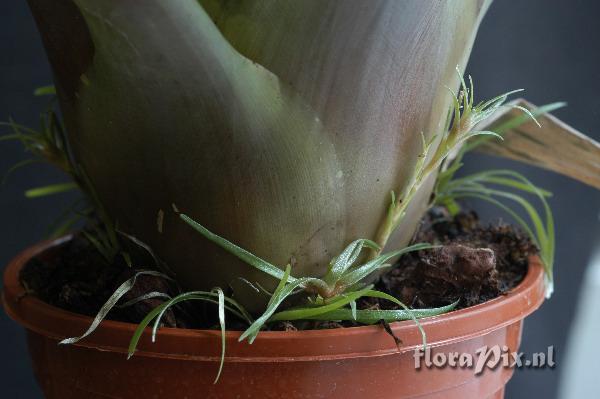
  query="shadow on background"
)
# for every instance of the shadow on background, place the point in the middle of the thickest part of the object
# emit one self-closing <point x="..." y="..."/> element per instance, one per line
<point x="548" y="47"/>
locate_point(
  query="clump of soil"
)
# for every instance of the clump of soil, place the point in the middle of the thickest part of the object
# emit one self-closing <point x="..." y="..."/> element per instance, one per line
<point x="474" y="263"/>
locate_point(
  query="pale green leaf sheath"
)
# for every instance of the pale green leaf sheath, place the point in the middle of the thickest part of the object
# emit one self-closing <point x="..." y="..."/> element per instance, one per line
<point x="281" y="125"/>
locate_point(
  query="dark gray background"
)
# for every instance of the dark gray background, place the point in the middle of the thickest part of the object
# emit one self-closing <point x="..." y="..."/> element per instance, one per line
<point x="548" y="47"/>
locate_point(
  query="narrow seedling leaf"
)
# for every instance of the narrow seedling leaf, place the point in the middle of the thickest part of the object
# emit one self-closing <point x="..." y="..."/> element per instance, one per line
<point x="45" y="91"/>
<point x="283" y="290"/>
<point x="157" y="261"/>
<point x="383" y="295"/>
<point x="50" y="190"/>
<point x="539" y="228"/>
<point x="357" y="274"/>
<point x="518" y="120"/>
<point x="374" y="316"/>
<point x="240" y="253"/>
<point x="215" y="296"/>
<point x="110" y="303"/>
<point x="353" y="308"/>
<point x="222" y="324"/>
<point x="149" y="295"/>
<point x="346" y="259"/>
<point x="304" y="313"/>
<point x="17" y="166"/>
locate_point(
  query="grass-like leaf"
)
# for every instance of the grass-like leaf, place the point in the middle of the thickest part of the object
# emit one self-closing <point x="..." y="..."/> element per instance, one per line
<point x="337" y="307"/>
<point x="479" y="185"/>
<point x="49" y="144"/>
<point x="374" y="316"/>
<point x="507" y="125"/>
<point x="346" y="259"/>
<point x="49" y="90"/>
<point x="303" y="313"/>
<point x="222" y="324"/>
<point x="206" y="296"/>
<point x="519" y="120"/>
<point x="383" y="295"/>
<point x="101" y="246"/>
<point x="50" y="190"/>
<point x="358" y="274"/>
<point x="233" y="249"/>
<point x="16" y="167"/>
<point x="110" y="303"/>
<point x="215" y="296"/>
<point x="149" y="295"/>
<point x="254" y="260"/>
<point x="339" y="288"/>
<point x="283" y="290"/>
<point x="63" y="227"/>
<point x="448" y="189"/>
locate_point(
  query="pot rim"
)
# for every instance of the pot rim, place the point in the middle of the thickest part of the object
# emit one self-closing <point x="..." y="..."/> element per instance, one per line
<point x="269" y="346"/>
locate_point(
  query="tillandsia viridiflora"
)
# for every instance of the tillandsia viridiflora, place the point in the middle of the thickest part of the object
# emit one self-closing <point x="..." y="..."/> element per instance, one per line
<point x="281" y="125"/>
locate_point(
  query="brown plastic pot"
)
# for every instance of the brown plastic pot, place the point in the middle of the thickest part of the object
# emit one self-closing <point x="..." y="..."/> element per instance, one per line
<point x="338" y="363"/>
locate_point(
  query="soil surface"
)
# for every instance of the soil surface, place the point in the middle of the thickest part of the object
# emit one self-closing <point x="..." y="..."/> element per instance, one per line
<point x="473" y="264"/>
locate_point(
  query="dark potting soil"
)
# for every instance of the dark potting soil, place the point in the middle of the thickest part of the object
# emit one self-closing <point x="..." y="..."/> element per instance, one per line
<point x="473" y="264"/>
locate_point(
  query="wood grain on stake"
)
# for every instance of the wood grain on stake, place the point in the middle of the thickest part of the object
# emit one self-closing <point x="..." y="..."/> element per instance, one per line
<point x="555" y="146"/>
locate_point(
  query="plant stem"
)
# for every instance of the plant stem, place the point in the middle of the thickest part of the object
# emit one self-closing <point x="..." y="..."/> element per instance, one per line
<point x="451" y="138"/>
<point x="397" y="210"/>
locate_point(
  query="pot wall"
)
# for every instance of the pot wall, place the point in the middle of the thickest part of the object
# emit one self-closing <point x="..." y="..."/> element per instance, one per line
<point x="337" y="363"/>
<point x="72" y="372"/>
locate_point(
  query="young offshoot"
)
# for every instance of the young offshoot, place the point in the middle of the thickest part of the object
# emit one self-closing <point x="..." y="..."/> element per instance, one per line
<point x="504" y="189"/>
<point x="332" y="297"/>
<point x="461" y="125"/>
